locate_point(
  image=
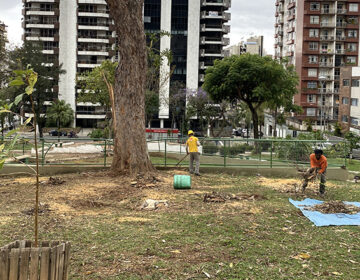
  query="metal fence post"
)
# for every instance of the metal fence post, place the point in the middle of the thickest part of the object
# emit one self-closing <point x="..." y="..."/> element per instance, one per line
<point x="42" y="152"/>
<point x="224" y="153"/>
<point x="345" y="154"/>
<point x="23" y="146"/>
<point x="105" y="153"/>
<point x="165" y="152"/>
<point x="271" y="153"/>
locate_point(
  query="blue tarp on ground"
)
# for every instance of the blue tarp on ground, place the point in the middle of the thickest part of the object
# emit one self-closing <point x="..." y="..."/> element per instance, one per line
<point x="321" y="220"/>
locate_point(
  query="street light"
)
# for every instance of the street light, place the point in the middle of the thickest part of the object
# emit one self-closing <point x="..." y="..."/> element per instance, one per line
<point x="322" y="80"/>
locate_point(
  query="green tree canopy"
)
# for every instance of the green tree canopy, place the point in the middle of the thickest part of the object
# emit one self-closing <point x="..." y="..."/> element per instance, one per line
<point x="61" y="113"/>
<point x="253" y="79"/>
<point x="48" y="78"/>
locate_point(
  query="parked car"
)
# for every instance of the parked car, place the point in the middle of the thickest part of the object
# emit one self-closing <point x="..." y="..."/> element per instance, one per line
<point x="57" y="133"/>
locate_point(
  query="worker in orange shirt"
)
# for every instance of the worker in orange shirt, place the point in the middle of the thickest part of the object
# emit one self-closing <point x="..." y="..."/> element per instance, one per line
<point x="192" y="148"/>
<point x="318" y="163"/>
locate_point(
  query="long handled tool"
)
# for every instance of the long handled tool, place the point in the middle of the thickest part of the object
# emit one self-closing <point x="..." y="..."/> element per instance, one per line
<point x="188" y="154"/>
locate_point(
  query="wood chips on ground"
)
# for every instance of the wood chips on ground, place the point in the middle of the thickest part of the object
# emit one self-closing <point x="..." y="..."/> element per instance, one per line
<point x="334" y="207"/>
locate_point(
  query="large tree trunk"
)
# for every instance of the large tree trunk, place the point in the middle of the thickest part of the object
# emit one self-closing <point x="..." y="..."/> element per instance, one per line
<point x="130" y="148"/>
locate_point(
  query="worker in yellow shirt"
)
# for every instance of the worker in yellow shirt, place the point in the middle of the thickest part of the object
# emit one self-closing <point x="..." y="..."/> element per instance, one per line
<point x="192" y="148"/>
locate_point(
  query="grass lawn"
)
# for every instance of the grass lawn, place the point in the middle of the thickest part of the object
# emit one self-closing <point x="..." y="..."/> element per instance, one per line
<point x="261" y="237"/>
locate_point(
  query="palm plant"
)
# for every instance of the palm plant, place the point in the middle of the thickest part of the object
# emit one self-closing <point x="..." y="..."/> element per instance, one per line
<point x="61" y="113"/>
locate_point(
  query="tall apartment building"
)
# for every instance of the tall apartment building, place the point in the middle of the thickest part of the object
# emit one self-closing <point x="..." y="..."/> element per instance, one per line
<point x="318" y="37"/>
<point x="80" y="35"/>
<point x="253" y="45"/>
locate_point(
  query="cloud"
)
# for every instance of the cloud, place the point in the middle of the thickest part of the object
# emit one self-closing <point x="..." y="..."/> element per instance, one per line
<point x="253" y="18"/>
<point x="248" y="18"/>
<point x="10" y="14"/>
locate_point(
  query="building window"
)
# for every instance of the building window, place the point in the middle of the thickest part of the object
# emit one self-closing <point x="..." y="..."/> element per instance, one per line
<point x="311" y="112"/>
<point x="311" y="98"/>
<point x="313" y="59"/>
<point x="352" y="33"/>
<point x="351" y="47"/>
<point x="314" y="32"/>
<point x="344" y="118"/>
<point x="314" y="19"/>
<point x="313" y="46"/>
<point x="345" y="101"/>
<point x="312" y="72"/>
<point x="354" y="121"/>
<point x="351" y="59"/>
<point x="355" y="83"/>
<point x="346" y="82"/>
<point x="314" y="6"/>
<point x="312" y="84"/>
<point x="354" y="101"/>
<point x="353" y="7"/>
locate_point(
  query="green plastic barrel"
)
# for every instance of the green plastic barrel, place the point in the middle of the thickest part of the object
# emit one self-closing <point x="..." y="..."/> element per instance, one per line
<point x="182" y="182"/>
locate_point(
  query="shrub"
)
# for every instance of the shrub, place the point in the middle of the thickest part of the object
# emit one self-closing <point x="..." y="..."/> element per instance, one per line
<point x="99" y="133"/>
<point x="233" y="150"/>
<point x="210" y="149"/>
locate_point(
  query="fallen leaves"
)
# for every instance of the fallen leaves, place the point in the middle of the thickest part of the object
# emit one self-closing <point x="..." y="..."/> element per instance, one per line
<point x="302" y="256"/>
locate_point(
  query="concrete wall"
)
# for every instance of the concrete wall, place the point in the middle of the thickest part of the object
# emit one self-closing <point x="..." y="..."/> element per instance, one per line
<point x="165" y="43"/>
<point x="67" y="51"/>
<point x="193" y="45"/>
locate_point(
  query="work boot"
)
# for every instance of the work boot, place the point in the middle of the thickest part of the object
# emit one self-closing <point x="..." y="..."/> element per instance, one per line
<point x="304" y="185"/>
<point x="322" y="190"/>
<point x="197" y="174"/>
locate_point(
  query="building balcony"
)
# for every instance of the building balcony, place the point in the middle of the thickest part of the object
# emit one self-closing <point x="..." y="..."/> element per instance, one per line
<point x="327" y="24"/>
<point x="38" y="12"/>
<point x="328" y="51"/>
<point x="94" y="27"/>
<point x="340" y="38"/>
<point x="93" y="53"/>
<point x="329" y="11"/>
<point x="292" y="17"/>
<point x="203" y="66"/>
<point x="98" y="14"/>
<point x="291" y="5"/>
<point x="215" y="15"/>
<point x="341" y="24"/>
<point x="340" y="51"/>
<point x="98" y="39"/>
<point x="98" y="2"/>
<point x="328" y="78"/>
<point x="327" y="38"/>
<point x="215" y="28"/>
<point x="205" y="40"/>
<point x="40" y="26"/>
<point x="40" y="1"/>
<point x="206" y="53"/>
<point x="290" y="42"/>
<point x="341" y="11"/>
<point x="38" y="38"/>
<point x="88" y="64"/>
<point x="219" y="3"/>
<point x="326" y="64"/>
<point x="291" y="53"/>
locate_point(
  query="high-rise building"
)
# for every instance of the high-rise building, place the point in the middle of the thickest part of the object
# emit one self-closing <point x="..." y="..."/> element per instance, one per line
<point x="253" y="45"/>
<point x="79" y="34"/>
<point x="318" y="37"/>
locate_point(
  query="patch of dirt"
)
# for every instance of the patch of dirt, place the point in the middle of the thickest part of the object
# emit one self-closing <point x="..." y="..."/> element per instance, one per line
<point x="332" y="207"/>
<point x="43" y="209"/>
<point x="217" y="197"/>
<point x="87" y="203"/>
<point x="55" y="181"/>
<point x="133" y="219"/>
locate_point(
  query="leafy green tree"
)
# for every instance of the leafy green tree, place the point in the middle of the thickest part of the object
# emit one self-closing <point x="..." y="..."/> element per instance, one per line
<point x="253" y="79"/>
<point x="48" y="79"/>
<point x="353" y="140"/>
<point x="61" y="113"/>
<point x="151" y="105"/>
<point x="97" y="86"/>
<point x="337" y="131"/>
<point x="200" y="105"/>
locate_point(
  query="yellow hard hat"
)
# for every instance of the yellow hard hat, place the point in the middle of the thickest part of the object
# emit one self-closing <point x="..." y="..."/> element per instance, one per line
<point x="190" y="132"/>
